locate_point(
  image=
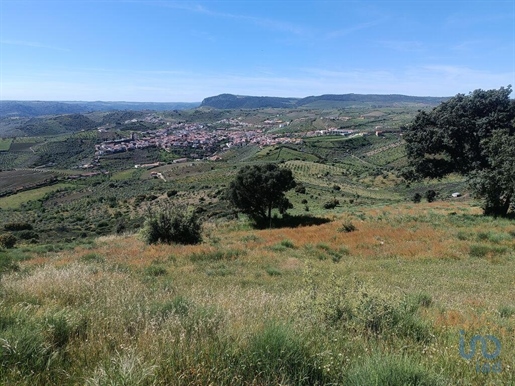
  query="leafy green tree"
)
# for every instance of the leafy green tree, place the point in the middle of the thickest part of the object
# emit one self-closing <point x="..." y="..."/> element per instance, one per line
<point x="257" y="189"/>
<point x="472" y="135"/>
<point x="497" y="184"/>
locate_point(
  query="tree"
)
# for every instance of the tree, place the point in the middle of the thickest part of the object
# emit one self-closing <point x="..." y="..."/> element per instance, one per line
<point x="472" y="135"/>
<point x="257" y="189"/>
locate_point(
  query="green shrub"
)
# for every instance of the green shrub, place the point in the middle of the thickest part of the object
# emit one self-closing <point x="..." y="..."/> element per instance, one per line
<point x="331" y="204"/>
<point x="277" y="355"/>
<point x="300" y="188"/>
<point x="7" y="240"/>
<point x="388" y="370"/>
<point x="171" y="225"/>
<point x="347" y="226"/>
<point x="417" y="197"/>
<point x="430" y="195"/>
<point x="287" y="244"/>
<point x="28" y="235"/>
<point x="18" y="226"/>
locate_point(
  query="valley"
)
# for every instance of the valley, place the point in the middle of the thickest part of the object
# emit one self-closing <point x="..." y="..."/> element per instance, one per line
<point x="357" y="280"/>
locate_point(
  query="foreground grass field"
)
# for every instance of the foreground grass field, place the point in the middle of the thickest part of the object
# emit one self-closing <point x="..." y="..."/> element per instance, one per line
<point x="381" y="305"/>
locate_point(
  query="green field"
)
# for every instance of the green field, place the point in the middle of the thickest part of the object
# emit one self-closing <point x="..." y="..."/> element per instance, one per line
<point x="282" y="153"/>
<point x="16" y="200"/>
<point x="5" y="144"/>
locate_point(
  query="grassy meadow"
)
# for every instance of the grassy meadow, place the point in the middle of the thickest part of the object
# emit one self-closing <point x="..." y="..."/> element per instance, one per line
<point x="377" y="295"/>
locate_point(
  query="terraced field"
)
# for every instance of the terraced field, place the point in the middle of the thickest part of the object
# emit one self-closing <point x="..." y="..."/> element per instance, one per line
<point x="18" y="178"/>
<point x="5" y="144"/>
<point x="327" y="176"/>
<point x="283" y="153"/>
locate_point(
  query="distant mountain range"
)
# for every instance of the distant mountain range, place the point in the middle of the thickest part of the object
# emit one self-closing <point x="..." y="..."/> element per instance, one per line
<point x="30" y="109"/>
<point x="328" y="101"/>
<point x="39" y="108"/>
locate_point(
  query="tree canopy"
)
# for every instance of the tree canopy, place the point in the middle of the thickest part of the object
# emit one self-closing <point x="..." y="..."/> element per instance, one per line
<point x="257" y="189"/>
<point x="472" y="135"/>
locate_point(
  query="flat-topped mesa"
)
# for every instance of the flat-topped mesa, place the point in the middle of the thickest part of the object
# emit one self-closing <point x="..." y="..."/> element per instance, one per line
<point x="230" y="101"/>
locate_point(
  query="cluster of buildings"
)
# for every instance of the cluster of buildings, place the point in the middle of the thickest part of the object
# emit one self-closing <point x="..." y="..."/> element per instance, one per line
<point x="205" y="138"/>
<point x="196" y="140"/>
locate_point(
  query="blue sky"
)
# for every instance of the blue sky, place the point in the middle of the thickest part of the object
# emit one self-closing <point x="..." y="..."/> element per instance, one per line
<point x="184" y="51"/>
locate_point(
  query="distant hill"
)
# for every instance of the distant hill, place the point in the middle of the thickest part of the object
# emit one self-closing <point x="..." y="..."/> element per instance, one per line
<point x="229" y="101"/>
<point x="31" y="109"/>
<point x="39" y="108"/>
<point x="58" y="125"/>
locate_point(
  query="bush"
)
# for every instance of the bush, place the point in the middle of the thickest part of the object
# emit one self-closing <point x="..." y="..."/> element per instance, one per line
<point x="18" y="226"/>
<point x="172" y="225"/>
<point x="417" y="197"/>
<point x="331" y="204"/>
<point x="7" y="240"/>
<point x="347" y="226"/>
<point x="387" y="370"/>
<point x="28" y="235"/>
<point x="171" y="193"/>
<point x="278" y="355"/>
<point x="300" y="189"/>
<point x="430" y="195"/>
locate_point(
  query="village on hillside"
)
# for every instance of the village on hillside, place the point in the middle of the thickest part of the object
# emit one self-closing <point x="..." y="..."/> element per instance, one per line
<point x="212" y="139"/>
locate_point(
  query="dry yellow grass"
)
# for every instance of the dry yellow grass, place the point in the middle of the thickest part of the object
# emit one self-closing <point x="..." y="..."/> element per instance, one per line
<point x="402" y="248"/>
<point x="237" y="280"/>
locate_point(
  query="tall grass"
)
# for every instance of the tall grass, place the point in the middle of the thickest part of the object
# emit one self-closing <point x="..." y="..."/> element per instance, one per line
<point x="310" y="305"/>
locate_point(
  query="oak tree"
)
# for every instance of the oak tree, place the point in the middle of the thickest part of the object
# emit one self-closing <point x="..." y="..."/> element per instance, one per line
<point x="472" y="135"/>
<point x="257" y="189"/>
